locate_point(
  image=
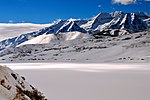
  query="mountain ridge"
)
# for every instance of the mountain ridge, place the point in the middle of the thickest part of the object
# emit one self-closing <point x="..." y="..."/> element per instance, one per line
<point x="103" y="21"/>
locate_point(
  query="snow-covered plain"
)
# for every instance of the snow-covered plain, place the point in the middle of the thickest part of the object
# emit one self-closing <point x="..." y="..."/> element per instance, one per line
<point x="2" y="98"/>
<point x="68" y="81"/>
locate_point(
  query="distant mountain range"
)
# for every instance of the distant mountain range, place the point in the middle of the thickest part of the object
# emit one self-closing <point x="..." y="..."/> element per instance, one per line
<point x="103" y="21"/>
<point x="107" y="37"/>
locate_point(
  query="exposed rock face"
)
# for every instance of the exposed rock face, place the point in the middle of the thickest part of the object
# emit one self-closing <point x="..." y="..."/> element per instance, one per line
<point x="127" y="21"/>
<point x="14" y="87"/>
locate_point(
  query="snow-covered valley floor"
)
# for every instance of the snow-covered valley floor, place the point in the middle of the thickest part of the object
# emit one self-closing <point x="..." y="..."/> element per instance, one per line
<point x="88" y="81"/>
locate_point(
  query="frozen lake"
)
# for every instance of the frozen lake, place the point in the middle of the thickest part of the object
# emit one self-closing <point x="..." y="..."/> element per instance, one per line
<point x="88" y="81"/>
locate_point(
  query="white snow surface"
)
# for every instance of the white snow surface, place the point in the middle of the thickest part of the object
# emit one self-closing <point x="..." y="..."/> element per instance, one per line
<point x="78" y="81"/>
<point x="48" y="38"/>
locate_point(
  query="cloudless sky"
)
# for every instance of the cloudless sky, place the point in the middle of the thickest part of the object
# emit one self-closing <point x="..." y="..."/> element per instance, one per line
<point x="46" y="11"/>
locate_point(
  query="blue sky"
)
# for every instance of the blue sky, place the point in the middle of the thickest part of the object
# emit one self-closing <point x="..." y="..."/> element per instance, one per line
<point x="45" y="11"/>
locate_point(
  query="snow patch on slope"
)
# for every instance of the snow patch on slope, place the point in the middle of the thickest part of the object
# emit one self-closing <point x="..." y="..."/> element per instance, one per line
<point x="47" y="38"/>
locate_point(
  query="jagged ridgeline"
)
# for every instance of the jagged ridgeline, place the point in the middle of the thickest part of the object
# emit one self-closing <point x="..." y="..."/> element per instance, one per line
<point x="96" y="25"/>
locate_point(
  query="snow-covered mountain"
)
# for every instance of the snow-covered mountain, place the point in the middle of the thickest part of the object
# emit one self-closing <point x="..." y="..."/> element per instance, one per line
<point x="127" y="47"/>
<point x="14" y="87"/>
<point x="94" y="22"/>
<point x="104" y="24"/>
<point x="129" y="21"/>
<point x="70" y="26"/>
<point x="59" y="26"/>
<point x="12" y="42"/>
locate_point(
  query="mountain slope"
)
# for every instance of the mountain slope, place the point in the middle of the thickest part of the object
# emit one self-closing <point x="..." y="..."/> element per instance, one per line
<point x="147" y="21"/>
<point x="12" y="42"/>
<point x="94" y="22"/>
<point x="14" y="87"/>
<point x="49" y="38"/>
<point x="124" y="48"/>
<point x="56" y="27"/>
